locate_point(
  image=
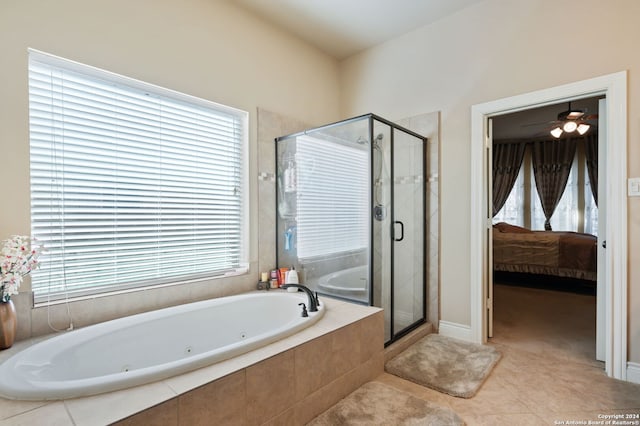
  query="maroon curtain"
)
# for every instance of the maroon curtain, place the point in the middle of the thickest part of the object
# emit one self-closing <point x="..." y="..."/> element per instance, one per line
<point x="591" y="152"/>
<point x="507" y="159"/>
<point x="552" y="160"/>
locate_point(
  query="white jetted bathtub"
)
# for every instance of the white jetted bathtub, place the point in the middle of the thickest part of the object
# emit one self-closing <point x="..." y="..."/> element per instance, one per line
<point x="151" y="346"/>
<point x="350" y="281"/>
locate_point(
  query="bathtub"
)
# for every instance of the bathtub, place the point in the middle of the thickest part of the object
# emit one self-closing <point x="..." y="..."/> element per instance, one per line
<point x="351" y="281"/>
<point x="142" y="348"/>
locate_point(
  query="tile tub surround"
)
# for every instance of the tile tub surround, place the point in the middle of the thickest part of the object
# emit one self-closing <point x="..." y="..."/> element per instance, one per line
<point x="287" y="382"/>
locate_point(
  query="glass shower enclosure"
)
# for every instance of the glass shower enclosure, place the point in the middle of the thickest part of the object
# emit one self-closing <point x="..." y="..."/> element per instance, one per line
<point x="351" y="209"/>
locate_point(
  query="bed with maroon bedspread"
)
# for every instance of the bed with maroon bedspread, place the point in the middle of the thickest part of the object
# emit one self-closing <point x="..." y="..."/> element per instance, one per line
<point x="562" y="254"/>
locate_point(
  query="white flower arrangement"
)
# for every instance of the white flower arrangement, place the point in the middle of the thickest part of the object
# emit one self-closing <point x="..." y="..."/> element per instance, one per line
<point x="18" y="258"/>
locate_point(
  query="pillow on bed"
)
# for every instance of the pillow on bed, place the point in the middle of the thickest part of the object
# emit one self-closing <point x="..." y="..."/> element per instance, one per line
<point x="507" y="227"/>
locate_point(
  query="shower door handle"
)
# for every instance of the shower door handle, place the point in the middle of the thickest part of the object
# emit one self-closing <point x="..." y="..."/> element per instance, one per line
<point x="401" y="231"/>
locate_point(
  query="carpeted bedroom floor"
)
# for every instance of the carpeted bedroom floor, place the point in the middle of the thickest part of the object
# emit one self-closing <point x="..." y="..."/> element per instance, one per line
<point x="547" y="374"/>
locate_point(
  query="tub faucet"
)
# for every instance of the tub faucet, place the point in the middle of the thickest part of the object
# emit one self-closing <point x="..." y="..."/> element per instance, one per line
<point x="313" y="303"/>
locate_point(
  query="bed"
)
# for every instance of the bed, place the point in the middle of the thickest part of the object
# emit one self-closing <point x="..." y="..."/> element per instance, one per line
<point x="561" y="254"/>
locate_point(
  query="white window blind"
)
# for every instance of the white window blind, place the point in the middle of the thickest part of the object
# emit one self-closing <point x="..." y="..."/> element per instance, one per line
<point x="333" y="210"/>
<point x="131" y="184"/>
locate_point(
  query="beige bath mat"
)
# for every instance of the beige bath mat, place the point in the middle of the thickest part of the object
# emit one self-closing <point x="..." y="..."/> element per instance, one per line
<point x="375" y="403"/>
<point x="447" y="365"/>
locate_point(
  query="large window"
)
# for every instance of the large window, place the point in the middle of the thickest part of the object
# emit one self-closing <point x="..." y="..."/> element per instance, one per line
<point x="131" y="184"/>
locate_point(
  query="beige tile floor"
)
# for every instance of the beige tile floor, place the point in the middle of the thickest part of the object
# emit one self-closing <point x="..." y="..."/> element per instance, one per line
<point x="547" y="374"/>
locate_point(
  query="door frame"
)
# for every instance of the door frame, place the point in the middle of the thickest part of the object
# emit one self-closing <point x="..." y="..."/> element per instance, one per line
<point x="614" y="87"/>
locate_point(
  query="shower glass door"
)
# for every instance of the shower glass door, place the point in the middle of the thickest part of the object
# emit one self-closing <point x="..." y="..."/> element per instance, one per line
<point x="351" y="215"/>
<point x="398" y="240"/>
<point x="408" y="233"/>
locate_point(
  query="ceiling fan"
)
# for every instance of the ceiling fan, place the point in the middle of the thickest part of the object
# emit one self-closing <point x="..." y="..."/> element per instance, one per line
<point x="571" y="120"/>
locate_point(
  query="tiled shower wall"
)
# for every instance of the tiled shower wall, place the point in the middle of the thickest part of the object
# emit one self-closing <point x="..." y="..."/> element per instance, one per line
<point x="270" y="126"/>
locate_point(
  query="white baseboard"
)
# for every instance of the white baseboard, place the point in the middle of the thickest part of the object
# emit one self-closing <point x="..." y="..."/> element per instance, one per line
<point x="633" y="372"/>
<point x="457" y="331"/>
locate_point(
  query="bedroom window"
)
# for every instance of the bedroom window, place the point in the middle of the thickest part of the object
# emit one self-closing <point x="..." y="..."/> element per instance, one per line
<point x="514" y="209"/>
<point x="132" y="185"/>
<point x="567" y="212"/>
<point x="576" y="211"/>
<point x="590" y="209"/>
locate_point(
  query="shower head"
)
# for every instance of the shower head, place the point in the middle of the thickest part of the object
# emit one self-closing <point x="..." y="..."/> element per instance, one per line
<point x="363" y="141"/>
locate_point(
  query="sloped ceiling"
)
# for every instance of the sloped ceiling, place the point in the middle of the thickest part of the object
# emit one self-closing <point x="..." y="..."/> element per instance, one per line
<point x="342" y="28"/>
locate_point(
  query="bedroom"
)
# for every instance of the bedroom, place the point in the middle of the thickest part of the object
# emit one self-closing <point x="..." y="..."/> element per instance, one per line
<point x="545" y="258"/>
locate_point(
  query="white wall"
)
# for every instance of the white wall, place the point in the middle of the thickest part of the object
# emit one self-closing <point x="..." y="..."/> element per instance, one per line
<point x="492" y="50"/>
<point x="206" y="48"/>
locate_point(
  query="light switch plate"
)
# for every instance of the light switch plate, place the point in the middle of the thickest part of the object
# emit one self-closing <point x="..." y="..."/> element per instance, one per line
<point x="634" y="187"/>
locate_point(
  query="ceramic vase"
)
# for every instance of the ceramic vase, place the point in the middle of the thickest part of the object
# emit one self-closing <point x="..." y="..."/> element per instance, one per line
<point x="8" y="324"/>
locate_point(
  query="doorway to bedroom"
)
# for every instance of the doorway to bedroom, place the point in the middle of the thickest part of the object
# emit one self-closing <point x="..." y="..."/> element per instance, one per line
<point x="612" y="307"/>
<point x="544" y="199"/>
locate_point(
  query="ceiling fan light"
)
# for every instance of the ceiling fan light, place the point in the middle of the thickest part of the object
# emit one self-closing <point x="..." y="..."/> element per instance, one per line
<point x="583" y="128"/>
<point x="574" y="115"/>
<point x="556" y="133"/>
<point x="570" y="126"/>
